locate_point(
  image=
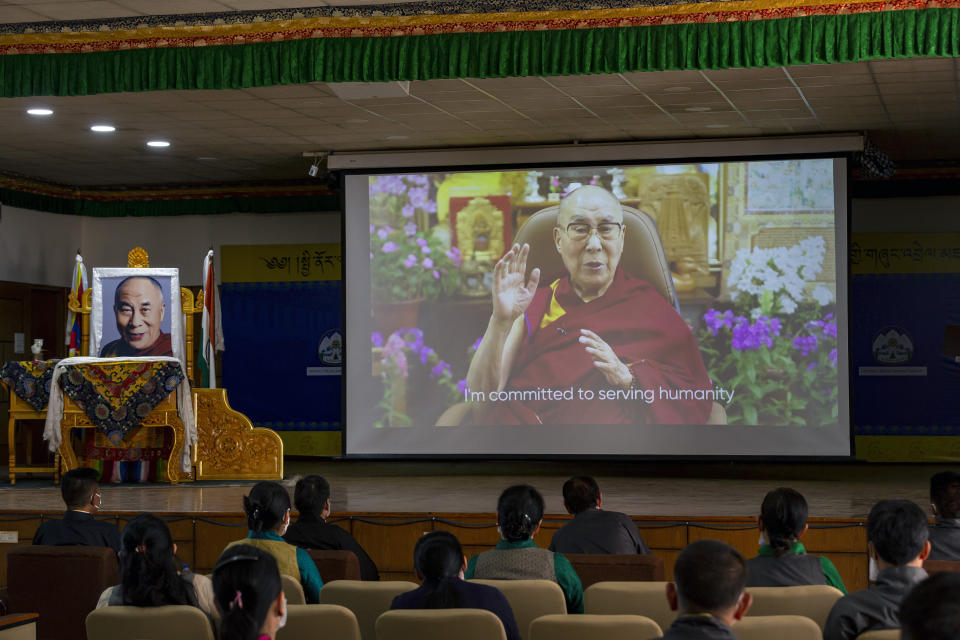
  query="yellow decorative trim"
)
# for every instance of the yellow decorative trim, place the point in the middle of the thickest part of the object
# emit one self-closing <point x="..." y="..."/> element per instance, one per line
<point x="555" y="311"/>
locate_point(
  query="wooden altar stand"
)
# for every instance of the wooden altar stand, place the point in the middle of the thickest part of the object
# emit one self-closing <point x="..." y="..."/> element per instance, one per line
<point x="20" y="410"/>
<point x="228" y="446"/>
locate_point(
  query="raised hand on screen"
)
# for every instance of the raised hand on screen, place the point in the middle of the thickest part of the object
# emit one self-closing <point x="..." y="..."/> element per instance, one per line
<point x="613" y="369"/>
<point x="511" y="295"/>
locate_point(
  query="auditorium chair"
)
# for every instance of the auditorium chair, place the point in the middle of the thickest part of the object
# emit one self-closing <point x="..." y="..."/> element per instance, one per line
<point x="529" y="599"/>
<point x="335" y="564"/>
<point x="19" y="626"/>
<point x="304" y="620"/>
<point x="292" y="589"/>
<point x="779" y="627"/>
<point x="62" y="584"/>
<point x="439" y="624"/>
<point x="367" y="600"/>
<point x="812" y="601"/>
<point x="591" y="627"/>
<point x="881" y="634"/>
<point x="630" y="598"/>
<point x="593" y="568"/>
<point x="940" y="566"/>
<point x="149" y="623"/>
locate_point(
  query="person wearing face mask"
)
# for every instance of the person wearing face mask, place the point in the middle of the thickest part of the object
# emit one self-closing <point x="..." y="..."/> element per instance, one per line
<point x="80" y="489"/>
<point x="439" y="564"/>
<point x="897" y="545"/>
<point x="268" y="516"/>
<point x="782" y="561"/>
<point x="249" y="594"/>
<point x="945" y="505"/>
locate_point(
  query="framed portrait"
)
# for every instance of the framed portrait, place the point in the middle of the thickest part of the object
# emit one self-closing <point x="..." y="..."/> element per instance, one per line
<point x="136" y="312"/>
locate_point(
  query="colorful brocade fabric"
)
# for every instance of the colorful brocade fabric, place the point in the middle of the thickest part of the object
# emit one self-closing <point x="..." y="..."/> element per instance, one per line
<point x="117" y="397"/>
<point x="29" y="380"/>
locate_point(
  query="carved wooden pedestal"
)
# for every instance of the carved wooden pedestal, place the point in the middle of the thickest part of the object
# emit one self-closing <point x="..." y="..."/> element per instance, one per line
<point x="229" y="447"/>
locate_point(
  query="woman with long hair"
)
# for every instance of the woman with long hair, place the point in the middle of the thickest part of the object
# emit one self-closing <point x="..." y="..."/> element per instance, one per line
<point x="517" y="556"/>
<point x="268" y="516"/>
<point x="782" y="561"/>
<point x="149" y="572"/>
<point x="439" y="563"/>
<point x="249" y="594"/>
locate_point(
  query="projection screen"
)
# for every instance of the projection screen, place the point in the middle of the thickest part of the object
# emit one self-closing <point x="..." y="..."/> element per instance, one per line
<point x="644" y="308"/>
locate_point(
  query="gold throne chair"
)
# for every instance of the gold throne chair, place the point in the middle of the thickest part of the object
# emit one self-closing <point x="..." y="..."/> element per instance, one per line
<point x="228" y="446"/>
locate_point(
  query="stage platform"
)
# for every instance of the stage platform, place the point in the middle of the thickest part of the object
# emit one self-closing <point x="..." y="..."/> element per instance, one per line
<point x="640" y="489"/>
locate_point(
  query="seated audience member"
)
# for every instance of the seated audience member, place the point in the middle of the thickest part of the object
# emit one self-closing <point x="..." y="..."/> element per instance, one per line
<point x="707" y="591"/>
<point x="782" y="561"/>
<point x="311" y="531"/>
<point x="517" y="556"/>
<point x="149" y="575"/>
<point x="81" y="493"/>
<point x="249" y="594"/>
<point x="593" y="530"/>
<point x="897" y="545"/>
<point x="268" y="516"/>
<point x="931" y="611"/>
<point x="439" y="563"/>
<point x="945" y="505"/>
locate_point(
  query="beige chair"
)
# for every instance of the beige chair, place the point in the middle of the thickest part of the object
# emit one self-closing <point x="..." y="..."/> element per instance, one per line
<point x="293" y="590"/>
<point x="305" y="620"/>
<point x="367" y="600"/>
<point x="630" y="598"/>
<point x="883" y="634"/>
<point x="19" y="626"/>
<point x="439" y="624"/>
<point x="779" y="627"/>
<point x="591" y="627"/>
<point x="149" y="623"/>
<point x="812" y="601"/>
<point x="529" y="599"/>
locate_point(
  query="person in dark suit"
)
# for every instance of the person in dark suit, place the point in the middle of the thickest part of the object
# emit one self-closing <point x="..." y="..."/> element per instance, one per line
<point x="80" y="489"/>
<point x="311" y="531"/>
<point x="945" y="505"/>
<point x="594" y="530"/>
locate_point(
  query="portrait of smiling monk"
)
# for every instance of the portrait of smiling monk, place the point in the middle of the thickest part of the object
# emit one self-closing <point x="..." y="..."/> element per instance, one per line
<point x="598" y="328"/>
<point x="139" y="308"/>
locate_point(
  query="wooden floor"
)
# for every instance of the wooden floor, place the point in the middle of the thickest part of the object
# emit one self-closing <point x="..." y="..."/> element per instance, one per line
<point x="639" y="489"/>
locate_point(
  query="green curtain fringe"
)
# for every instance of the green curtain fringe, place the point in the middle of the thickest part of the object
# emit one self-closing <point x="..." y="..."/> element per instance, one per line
<point x="819" y="39"/>
<point x="141" y="208"/>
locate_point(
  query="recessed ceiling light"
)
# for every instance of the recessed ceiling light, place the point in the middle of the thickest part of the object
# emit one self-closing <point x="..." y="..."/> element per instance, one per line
<point x="103" y="128"/>
<point x="717" y="126"/>
<point x="697" y="109"/>
<point x="40" y="111"/>
<point x="676" y="89"/>
<point x="398" y="137"/>
<point x="157" y="143"/>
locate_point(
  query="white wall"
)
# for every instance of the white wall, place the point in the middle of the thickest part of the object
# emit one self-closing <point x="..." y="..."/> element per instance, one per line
<point x="39" y="248"/>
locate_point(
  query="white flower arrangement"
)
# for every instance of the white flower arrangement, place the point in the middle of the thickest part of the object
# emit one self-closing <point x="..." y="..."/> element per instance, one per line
<point x="777" y="276"/>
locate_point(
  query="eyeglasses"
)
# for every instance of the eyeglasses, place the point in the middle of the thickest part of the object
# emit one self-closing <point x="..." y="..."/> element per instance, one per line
<point x="582" y="230"/>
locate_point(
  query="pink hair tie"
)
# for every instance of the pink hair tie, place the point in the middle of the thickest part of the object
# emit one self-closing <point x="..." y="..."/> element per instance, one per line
<point x="237" y="600"/>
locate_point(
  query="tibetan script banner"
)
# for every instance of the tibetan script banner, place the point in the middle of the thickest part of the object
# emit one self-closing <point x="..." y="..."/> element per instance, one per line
<point x="281" y="262"/>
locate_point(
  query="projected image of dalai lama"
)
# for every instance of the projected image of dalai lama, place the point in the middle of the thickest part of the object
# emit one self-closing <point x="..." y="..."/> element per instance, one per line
<point x="139" y="308"/>
<point x="597" y="328"/>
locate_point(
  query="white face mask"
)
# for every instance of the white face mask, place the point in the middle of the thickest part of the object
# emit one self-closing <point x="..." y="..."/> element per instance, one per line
<point x="283" y="619"/>
<point x="872" y="570"/>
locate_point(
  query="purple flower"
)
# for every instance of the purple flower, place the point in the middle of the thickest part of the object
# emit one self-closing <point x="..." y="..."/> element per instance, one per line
<point x="462" y="385"/>
<point x="427" y="263"/>
<point x="829" y="316"/>
<point x="456" y="257"/>
<point x="413" y="338"/>
<point x="436" y="274"/>
<point x="410" y="261"/>
<point x="383" y="232"/>
<point x="391" y="185"/>
<point x="418" y="196"/>
<point x="833" y="357"/>
<point x="425" y="354"/>
<point x="377" y="339"/>
<point x="371" y="228"/>
<point x="389" y="247"/>
<point x="440" y="370"/>
<point x="750" y="337"/>
<point x="421" y="242"/>
<point x="417" y="179"/>
<point x="476" y="344"/>
<point x="830" y="329"/>
<point x="805" y="344"/>
<point x="425" y="249"/>
<point x="407" y="210"/>
<point x="715" y="321"/>
<point x="811" y="366"/>
<point x="410" y="229"/>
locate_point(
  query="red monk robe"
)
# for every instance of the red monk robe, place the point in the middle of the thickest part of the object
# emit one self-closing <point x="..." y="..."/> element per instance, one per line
<point x="643" y="330"/>
<point x="120" y="349"/>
